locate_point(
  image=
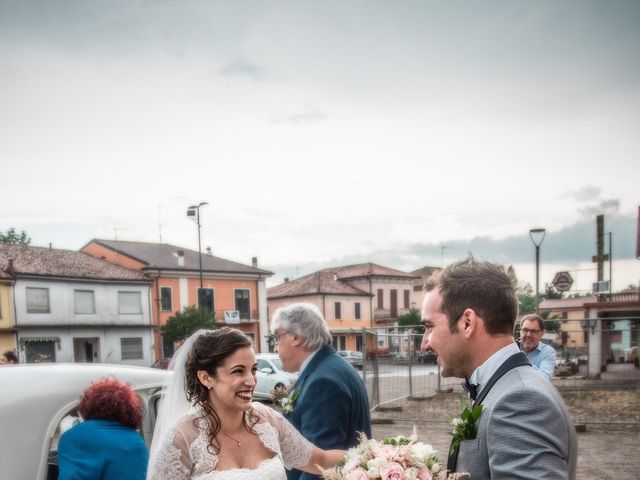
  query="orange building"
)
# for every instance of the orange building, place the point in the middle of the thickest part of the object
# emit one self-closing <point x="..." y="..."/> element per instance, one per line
<point x="235" y="292"/>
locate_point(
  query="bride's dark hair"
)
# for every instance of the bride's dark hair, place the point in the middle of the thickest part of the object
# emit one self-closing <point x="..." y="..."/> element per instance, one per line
<point x="209" y="351"/>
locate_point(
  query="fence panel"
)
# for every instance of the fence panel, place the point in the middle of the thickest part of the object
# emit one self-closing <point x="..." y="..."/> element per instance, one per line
<point x="394" y="368"/>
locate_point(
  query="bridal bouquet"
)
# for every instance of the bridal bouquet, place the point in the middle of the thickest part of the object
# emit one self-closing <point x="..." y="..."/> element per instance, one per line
<point x="394" y="458"/>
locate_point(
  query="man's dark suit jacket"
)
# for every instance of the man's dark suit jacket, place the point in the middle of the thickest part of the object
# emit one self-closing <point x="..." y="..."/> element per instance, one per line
<point x="332" y="406"/>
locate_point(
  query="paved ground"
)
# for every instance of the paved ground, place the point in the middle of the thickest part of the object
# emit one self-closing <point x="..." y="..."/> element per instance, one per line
<point x="607" y="450"/>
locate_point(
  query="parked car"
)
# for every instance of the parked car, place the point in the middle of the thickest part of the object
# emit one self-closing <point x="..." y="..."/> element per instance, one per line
<point x="353" y="357"/>
<point x="427" y="358"/>
<point x="39" y="400"/>
<point x="271" y="375"/>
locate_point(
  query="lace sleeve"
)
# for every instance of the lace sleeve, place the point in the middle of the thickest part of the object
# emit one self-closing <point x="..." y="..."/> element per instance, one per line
<point x="172" y="460"/>
<point x="296" y="450"/>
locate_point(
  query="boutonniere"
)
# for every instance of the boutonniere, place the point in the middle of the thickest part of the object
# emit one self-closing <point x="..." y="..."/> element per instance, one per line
<point x="465" y="426"/>
<point x="288" y="403"/>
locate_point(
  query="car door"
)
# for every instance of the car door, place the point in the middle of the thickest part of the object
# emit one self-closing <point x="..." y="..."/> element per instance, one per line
<point x="265" y="381"/>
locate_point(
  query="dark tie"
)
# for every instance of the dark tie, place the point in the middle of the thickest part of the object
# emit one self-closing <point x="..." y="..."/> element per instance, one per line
<point x="470" y="388"/>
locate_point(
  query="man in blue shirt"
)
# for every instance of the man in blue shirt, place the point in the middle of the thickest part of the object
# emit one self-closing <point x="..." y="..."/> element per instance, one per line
<point x="541" y="356"/>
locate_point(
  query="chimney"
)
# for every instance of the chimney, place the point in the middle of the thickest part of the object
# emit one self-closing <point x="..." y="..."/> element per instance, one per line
<point x="335" y="277"/>
<point x="181" y="258"/>
<point x="286" y="279"/>
<point x="209" y="252"/>
<point x="254" y="262"/>
<point x="10" y="270"/>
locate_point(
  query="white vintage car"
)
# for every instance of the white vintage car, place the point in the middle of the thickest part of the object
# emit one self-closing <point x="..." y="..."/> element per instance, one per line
<point x="39" y="401"/>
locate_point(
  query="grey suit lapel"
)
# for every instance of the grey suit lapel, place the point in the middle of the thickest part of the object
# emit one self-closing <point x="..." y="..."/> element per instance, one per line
<point x="517" y="360"/>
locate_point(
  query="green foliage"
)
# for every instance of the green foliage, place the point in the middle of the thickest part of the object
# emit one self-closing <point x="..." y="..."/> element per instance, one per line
<point x="411" y="319"/>
<point x="464" y="427"/>
<point x="550" y="293"/>
<point x="13" y="237"/>
<point x="181" y="325"/>
<point x="527" y="303"/>
<point x="551" y="326"/>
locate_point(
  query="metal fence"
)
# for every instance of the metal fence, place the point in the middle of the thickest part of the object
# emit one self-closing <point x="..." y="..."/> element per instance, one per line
<point x="394" y="368"/>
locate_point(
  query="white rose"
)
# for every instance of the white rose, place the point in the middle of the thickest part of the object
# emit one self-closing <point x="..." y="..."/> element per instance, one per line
<point x="420" y="453"/>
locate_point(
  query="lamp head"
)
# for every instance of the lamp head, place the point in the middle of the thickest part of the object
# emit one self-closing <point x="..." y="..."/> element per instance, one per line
<point x="537" y="235"/>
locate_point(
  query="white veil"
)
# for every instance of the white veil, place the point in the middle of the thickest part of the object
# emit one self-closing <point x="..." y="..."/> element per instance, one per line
<point x="174" y="404"/>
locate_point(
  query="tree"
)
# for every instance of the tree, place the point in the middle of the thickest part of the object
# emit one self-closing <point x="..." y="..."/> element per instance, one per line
<point x="11" y="236"/>
<point x="411" y="319"/>
<point x="181" y="325"/>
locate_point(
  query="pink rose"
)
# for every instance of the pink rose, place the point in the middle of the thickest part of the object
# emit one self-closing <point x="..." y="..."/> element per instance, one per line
<point x="424" y="474"/>
<point x="392" y="471"/>
<point x="357" y="474"/>
<point x="384" y="451"/>
<point x="352" y="464"/>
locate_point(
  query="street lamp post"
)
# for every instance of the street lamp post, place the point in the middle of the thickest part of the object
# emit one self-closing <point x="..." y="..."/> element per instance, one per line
<point x="537" y="236"/>
<point x="193" y="212"/>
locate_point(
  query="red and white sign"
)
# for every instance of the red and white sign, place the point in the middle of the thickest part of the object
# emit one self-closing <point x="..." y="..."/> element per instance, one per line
<point x="562" y="281"/>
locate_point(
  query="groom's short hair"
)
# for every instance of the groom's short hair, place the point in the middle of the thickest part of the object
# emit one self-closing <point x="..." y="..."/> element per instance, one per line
<point x="482" y="286"/>
<point x="303" y="320"/>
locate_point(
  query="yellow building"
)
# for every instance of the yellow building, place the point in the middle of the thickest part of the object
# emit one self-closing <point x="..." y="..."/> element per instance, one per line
<point x="7" y="318"/>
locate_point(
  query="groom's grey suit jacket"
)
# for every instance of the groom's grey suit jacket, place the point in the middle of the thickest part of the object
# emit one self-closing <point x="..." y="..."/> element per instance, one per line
<point x="524" y="432"/>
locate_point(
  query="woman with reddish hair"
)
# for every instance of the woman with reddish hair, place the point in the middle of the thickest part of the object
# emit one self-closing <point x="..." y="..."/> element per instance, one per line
<point x="106" y="445"/>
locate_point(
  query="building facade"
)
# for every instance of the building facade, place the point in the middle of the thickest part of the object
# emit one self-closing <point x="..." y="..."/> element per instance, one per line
<point x="71" y="307"/>
<point x="234" y="292"/>
<point x="351" y="298"/>
<point x="7" y="322"/>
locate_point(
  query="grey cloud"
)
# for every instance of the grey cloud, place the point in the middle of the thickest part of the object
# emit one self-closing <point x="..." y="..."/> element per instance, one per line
<point x="584" y="194"/>
<point x="575" y="243"/>
<point x="611" y="206"/>
<point x="244" y="69"/>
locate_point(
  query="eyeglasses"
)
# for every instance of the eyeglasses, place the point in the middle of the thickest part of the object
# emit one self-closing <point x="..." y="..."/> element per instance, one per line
<point x="274" y="338"/>
<point x="526" y="331"/>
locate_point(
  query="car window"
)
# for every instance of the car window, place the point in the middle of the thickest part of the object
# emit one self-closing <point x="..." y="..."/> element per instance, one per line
<point x="276" y="362"/>
<point x="68" y="420"/>
<point x="264" y="364"/>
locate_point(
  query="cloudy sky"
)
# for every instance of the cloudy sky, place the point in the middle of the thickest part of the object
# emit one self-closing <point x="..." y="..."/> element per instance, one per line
<point x="406" y="133"/>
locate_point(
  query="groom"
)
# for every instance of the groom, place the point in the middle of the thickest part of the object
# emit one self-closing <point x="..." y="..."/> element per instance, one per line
<point x="331" y="404"/>
<point x="524" y="430"/>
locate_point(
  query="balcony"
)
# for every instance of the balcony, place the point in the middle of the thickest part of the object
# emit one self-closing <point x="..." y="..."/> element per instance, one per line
<point x="245" y="316"/>
<point x="384" y="314"/>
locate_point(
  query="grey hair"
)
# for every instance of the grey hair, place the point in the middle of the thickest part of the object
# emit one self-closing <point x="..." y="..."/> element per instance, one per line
<point x="303" y="320"/>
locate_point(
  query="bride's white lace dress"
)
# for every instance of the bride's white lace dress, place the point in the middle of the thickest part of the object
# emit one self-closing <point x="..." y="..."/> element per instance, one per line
<point x="184" y="455"/>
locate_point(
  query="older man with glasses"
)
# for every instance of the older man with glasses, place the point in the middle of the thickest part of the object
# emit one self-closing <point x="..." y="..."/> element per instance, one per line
<point x="541" y="355"/>
<point x="329" y="401"/>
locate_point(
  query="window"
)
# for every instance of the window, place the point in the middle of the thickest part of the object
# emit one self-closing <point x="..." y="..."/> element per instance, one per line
<point x="406" y="299"/>
<point x="242" y="303"/>
<point x="357" y="312"/>
<point x="84" y="301"/>
<point x="131" y="348"/>
<point x="338" y="311"/>
<point x="40" y="351"/>
<point x="205" y="298"/>
<point x="37" y="300"/>
<point x="340" y="342"/>
<point x="129" y="302"/>
<point x="165" y="299"/>
<point x="380" y="299"/>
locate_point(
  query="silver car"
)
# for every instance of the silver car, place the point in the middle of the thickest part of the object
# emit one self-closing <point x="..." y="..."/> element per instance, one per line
<point x="39" y="401"/>
<point x="271" y="375"/>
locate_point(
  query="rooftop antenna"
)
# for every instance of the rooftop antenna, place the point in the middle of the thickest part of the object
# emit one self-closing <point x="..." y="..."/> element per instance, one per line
<point x="160" y="223"/>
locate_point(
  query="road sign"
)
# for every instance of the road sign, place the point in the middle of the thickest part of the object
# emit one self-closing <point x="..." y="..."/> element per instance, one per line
<point x="601" y="286"/>
<point x="562" y="281"/>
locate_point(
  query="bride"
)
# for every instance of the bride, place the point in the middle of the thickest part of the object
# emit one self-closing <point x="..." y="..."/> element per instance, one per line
<point x="209" y="429"/>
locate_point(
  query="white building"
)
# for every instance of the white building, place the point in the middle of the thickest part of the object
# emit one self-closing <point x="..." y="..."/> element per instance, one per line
<point x="71" y="307"/>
